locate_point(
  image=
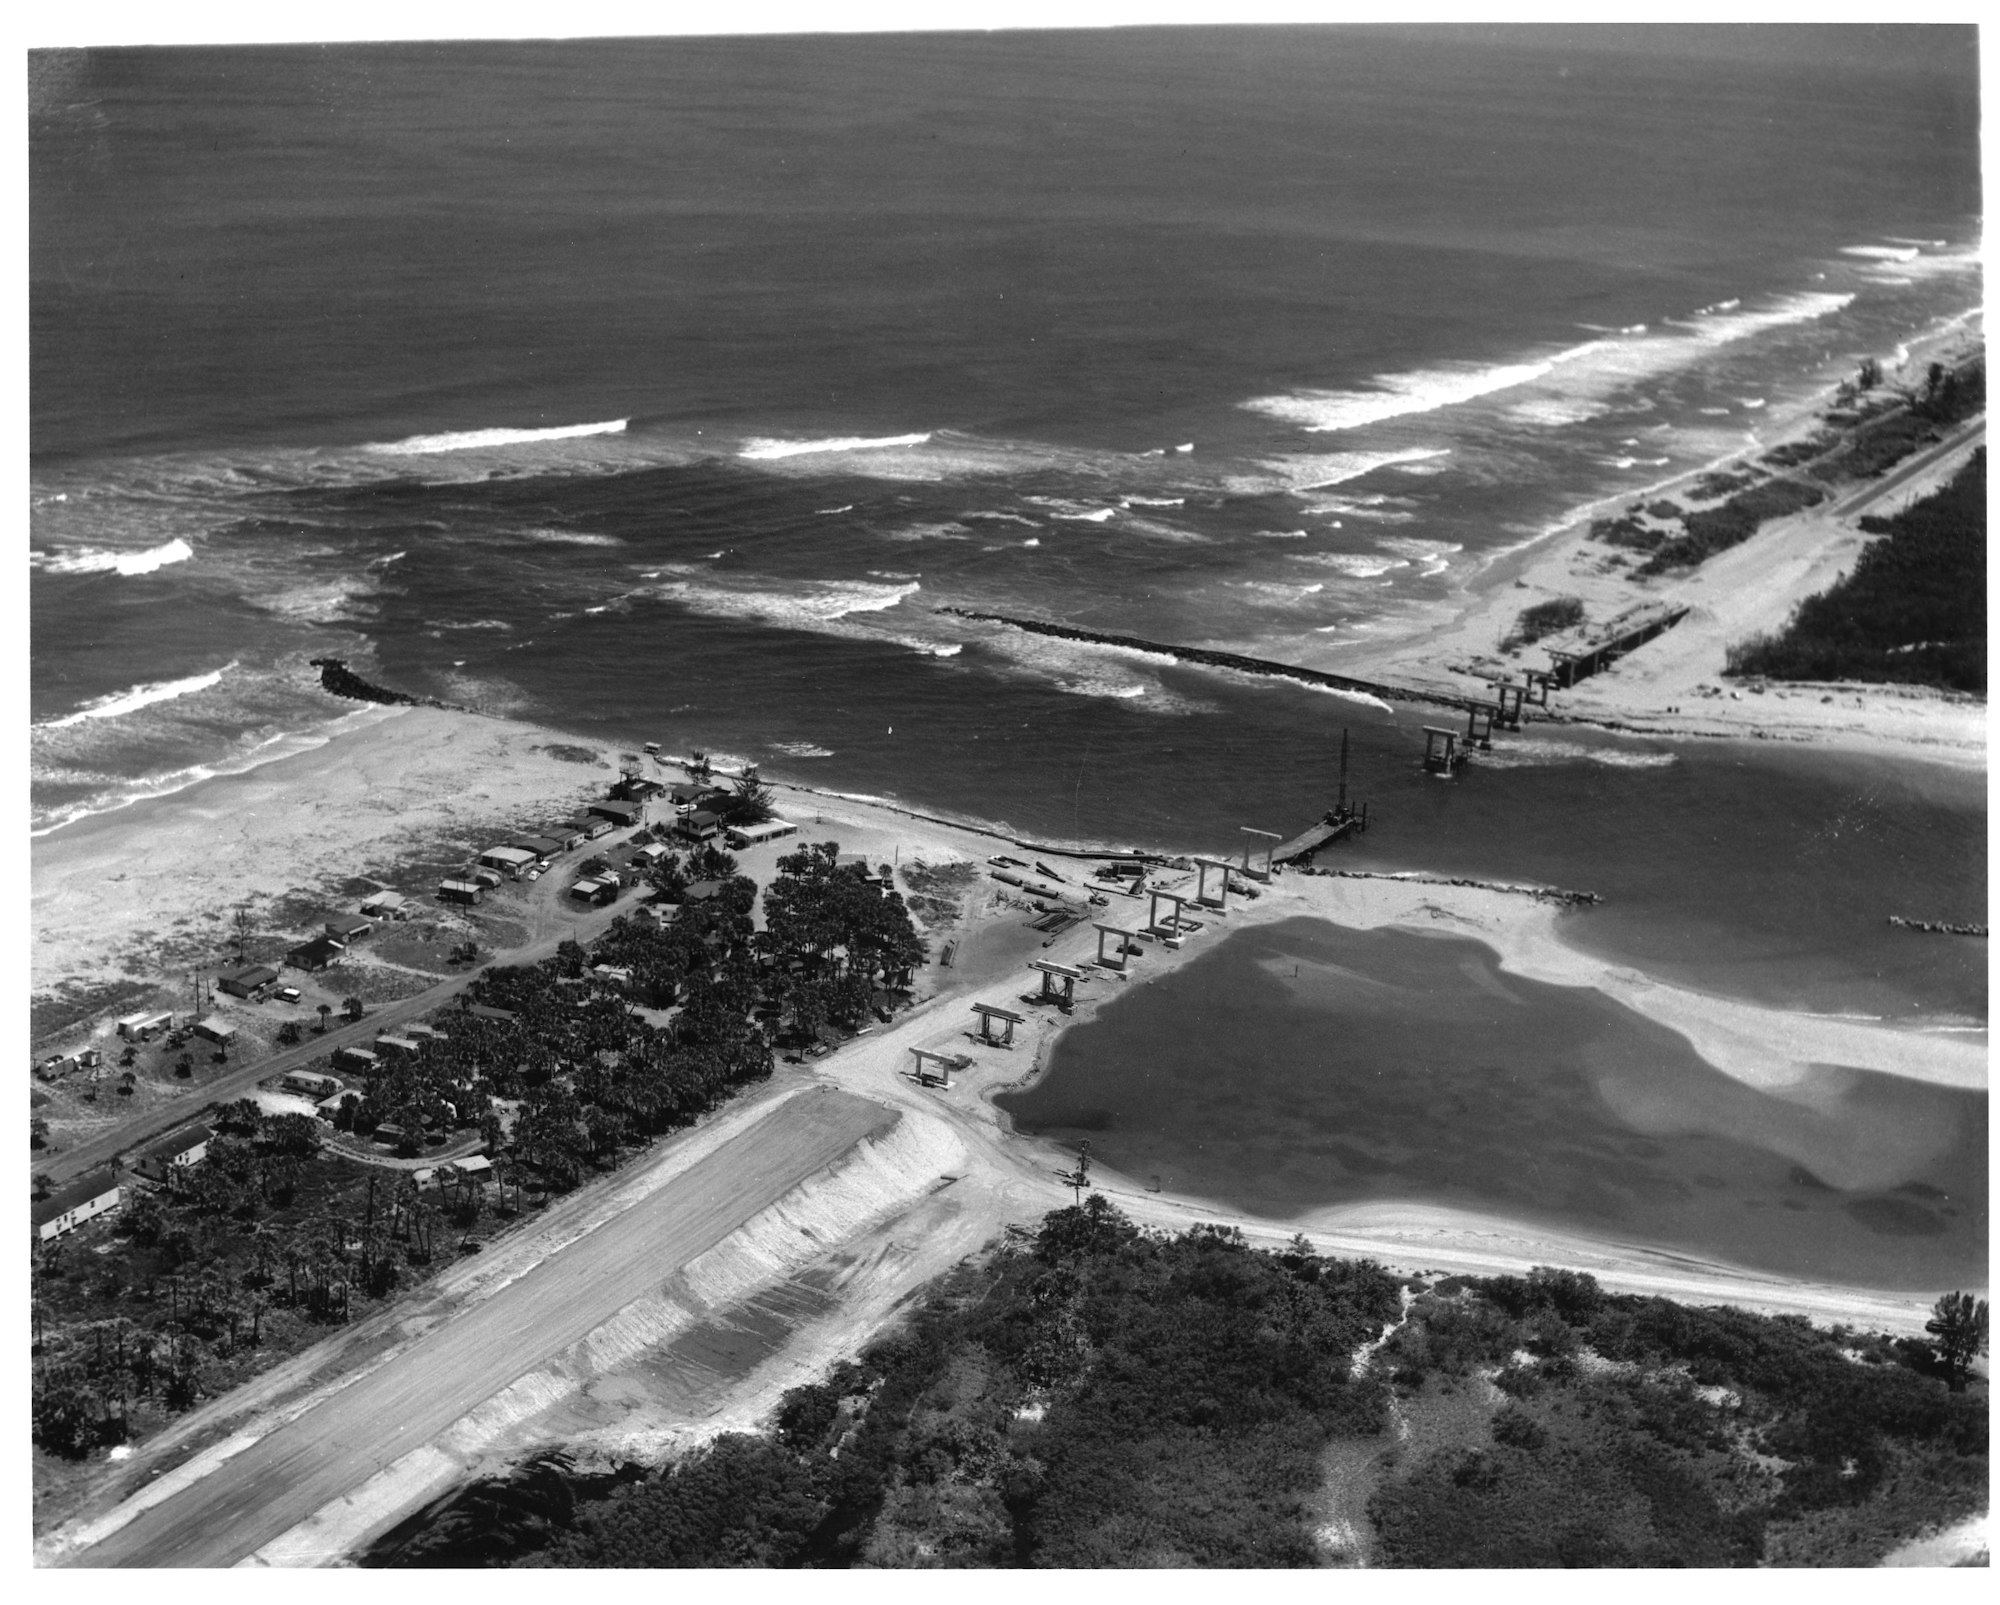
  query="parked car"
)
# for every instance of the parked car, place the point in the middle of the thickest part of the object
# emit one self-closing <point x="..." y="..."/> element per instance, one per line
<point x="287" y="994"/>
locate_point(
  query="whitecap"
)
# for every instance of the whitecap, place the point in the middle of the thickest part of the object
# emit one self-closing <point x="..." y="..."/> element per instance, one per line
<point x="1154" y="501"/>
<point x="1398" y="395"/>
<point x="1032" y="540"/>
<point x="801" y="749"/>
<point x="824" y="512"/>
<point x="766" y="449"/>
<point x="1282" y="534"/>
<point x="136" y="697"/>
<point x="1320" y="470"/>
<point x="1883" y="253"/>
<point x="1356" y="565"/>
<point x="476" y="439"/>
<point x="92" y="561"/>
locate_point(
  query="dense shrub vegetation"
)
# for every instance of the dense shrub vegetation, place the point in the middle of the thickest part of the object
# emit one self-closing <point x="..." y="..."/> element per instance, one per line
<point x="1716" y="529"/>
<point x="1544" y="618"/>
<point x="1912" y="612"/>
<point x="1100" y="1396"/>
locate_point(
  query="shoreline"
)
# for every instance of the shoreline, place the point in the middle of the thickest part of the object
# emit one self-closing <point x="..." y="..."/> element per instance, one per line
<point x="1673" y="686"/>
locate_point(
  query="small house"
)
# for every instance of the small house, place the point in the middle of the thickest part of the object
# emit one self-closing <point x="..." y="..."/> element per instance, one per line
<point x="540" y="846"/>
<point x="94" y="1193"/>
<point x="423" y="1033"/>
<point x="403" y="1047"/>
<point x="180" y="1151"/>
<point x="358" y="1059"/>
<point x="250" y="981"/>
<point x="617" y="975"/>
<point x="315" y="955"/>
<point x="143" y="1027"/>
<point x="569" y="832"/>
<point x="347" y="929"/>
<point x="508" y="860"/>
<point x="649" y="855"/>
<point x="486" y="1011"/>
<point x="463" y="891"/>
<point x="623" y="815"/>
<point x="698" y="826"/>
<point x="636" y="789"/>
<point x="213" y="1028"/>
<point x="329" y="1106"/>
<point x="387" y="906"/>
<point x="596" y="890"/>
<point x="771" y="830"/>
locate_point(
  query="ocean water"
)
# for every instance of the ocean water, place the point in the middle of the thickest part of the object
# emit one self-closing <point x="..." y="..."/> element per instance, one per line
<point x="1299" y="1065"/>
<point x="663" y="390"/>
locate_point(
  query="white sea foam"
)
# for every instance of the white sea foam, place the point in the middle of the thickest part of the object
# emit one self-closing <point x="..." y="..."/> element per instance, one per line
<point x="1356" y="565"/>
<point x="1277" y="590"/>
<point x="823" y="512"/>
<point x="1003" y="518"/>
<point x="1534" y="754"/>
<point x="1032" y="540"/>
<point x="765" y="449"/>
<point x="1555" y="411"/>
<point x="1096" y="515"/>
<point x="477" y="439"/>
<point x="1153" y="501"/>
<point x="1322" y="469"/>
<point x="1883" y="253"/>
<point x="1934" y="245"/>
<point x="89" y="560"/>
<point x="139" y="696"/>
<point x="801" y="749"/>
<point x="1282" y="534"/>
<point x="1397" y="395"/>
<point x="574" y="537"/>
<point x="931" y="532"/>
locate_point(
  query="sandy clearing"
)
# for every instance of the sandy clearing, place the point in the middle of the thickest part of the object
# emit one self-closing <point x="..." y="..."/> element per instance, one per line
<point x="396" y="1409"/>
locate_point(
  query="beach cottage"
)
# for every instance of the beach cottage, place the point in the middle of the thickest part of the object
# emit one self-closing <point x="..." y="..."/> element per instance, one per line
<point x="94" y="1193"/>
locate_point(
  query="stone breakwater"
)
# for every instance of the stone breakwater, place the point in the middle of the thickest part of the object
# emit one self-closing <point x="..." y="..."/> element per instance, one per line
<point x="1937" y="927"/>
<point x="1545" y="894"/>
<point x="1225" y="660"/>
<point x="336" y="677"/>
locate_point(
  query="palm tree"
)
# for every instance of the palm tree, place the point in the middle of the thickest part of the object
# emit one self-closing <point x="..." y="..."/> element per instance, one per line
<point x="325" y="1009"/>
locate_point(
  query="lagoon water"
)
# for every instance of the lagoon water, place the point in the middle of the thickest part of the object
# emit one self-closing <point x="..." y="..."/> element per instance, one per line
<point x="1299" y="1065"/>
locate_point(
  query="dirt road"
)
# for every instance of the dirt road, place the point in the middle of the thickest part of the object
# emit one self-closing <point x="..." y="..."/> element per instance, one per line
<point x="337" y="1445"/>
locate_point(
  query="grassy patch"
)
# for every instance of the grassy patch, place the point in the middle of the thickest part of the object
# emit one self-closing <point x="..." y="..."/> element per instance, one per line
<point x="1544" y="618"/>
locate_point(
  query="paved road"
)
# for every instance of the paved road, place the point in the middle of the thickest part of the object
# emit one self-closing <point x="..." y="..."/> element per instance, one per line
<point x="73" y="1160"/>
<point x="337" y="1445"/>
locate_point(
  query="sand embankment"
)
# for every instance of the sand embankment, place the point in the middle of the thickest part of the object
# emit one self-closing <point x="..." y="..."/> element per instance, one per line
<point x="698" y="1231"/>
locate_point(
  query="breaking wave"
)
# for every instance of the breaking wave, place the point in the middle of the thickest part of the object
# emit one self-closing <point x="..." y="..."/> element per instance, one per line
<point x="475" y="439"/>
<point x="764" y="449"/>
<point x="91" y="561"/>
<point x="120" y="703"/>
<point x="1398" y="395"/>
